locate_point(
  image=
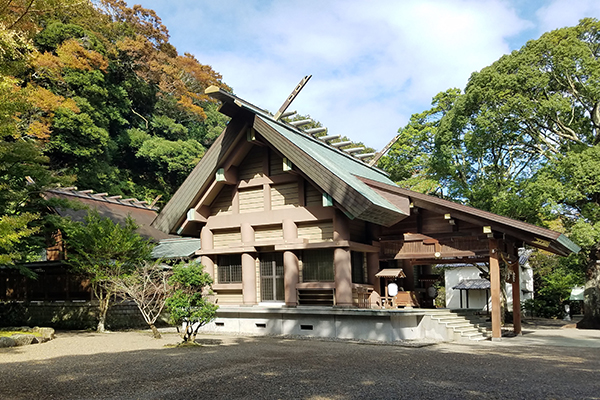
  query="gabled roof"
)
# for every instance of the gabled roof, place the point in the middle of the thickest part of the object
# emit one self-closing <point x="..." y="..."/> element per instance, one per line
<point x="531" y="234"/>
<point x="112" y="207"/>
<point x="360" y="190"/>
<point x="333" y="171"/>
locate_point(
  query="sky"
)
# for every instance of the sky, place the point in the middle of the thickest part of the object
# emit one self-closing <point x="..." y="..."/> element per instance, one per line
<point x="373" y="63"/>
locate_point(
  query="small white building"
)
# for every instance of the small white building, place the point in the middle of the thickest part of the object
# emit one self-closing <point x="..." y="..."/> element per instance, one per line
<point x="467" y="285"/>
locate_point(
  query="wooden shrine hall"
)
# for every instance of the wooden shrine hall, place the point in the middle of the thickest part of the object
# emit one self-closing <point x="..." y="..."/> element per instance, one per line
<point x="289" y="218"/>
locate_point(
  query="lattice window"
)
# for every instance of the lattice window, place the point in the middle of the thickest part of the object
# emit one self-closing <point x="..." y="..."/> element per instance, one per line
<point x="359" y="267"/>
<point x="271" y="273"/>
<point x="229" y="268"/>
<point x="317" y="265"/>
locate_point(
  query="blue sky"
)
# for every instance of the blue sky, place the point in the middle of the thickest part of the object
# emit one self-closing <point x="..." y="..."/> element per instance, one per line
<point x="374" y="63"/>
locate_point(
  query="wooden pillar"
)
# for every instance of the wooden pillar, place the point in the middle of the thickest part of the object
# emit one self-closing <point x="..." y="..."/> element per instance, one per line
<point x="291" y="268"/>
<point x="247" y="233"/>
<point x="343" y="277"/>
<point x="495" y="289"/>
<point x="409" y="271"/>
<point x="206" y="243"/>
<point x="516" y="298"/>
<point x="372" y="269"/>
<point x="209" y="266"/>
<point x="248" y="279"/>
<point x="291" y="273"/>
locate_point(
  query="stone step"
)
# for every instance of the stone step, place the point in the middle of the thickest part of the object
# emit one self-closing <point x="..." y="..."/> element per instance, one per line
<point x="466" y="326"/>
<point x="478" y="338"/>
<point x="458" y="325"/>
<point x="448" y="319"/>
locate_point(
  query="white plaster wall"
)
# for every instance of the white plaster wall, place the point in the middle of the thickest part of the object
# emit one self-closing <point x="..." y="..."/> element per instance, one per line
<point x="452" y="277"/>
<point x="477" y="297"/>
<point x="526" y="282"/>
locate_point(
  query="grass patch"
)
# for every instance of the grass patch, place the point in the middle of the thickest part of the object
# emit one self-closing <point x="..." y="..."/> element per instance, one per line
<point x="10" y="333"/>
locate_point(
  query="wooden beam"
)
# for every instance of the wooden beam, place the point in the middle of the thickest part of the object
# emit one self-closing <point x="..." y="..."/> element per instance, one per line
<point x="426" y="256"/>
<point x="495" y="289"/>
<point x="292" y="96"/>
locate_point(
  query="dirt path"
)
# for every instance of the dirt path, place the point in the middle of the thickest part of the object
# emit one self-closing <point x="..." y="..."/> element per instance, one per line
<point x="125" y="365"/>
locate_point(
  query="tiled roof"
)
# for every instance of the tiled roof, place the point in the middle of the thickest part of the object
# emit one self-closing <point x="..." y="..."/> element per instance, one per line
<point x="176" y="248"/>
<point x="89" y="194"/>
<point x="112" y="207"/>
<point x="473" y="284"/>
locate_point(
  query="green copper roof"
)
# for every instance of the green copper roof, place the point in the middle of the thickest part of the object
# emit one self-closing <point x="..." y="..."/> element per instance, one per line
<point x="340" y="164"/>
<point x="176" y="248"/>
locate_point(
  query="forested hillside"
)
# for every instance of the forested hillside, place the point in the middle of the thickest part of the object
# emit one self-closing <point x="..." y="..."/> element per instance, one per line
<point x="93" y="95"/>
<point x="104" y="95"/>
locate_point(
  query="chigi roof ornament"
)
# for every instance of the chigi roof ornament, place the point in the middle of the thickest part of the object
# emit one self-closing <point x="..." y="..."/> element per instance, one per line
<point x="356" y="152"/>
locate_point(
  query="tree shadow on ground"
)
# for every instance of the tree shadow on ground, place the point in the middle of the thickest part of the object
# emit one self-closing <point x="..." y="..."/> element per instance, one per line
<point x="251" y="367"/>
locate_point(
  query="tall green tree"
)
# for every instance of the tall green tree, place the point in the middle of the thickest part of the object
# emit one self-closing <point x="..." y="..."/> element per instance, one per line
<point x="521" y="141"/>
<point x="106" y="253"/>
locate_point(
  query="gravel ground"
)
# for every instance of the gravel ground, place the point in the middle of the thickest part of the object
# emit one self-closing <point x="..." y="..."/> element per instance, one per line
<point x="132" y="365"/>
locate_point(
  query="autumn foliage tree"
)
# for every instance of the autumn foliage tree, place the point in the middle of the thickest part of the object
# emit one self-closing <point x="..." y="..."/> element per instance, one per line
<point x="105" y="102"/>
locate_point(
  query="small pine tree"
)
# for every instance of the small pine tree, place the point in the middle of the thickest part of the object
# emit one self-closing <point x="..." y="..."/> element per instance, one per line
<point x="188" y="306"/>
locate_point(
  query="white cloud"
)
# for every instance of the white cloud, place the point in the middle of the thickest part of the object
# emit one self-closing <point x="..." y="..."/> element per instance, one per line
<point x="562" y="13"/>
<point x="373" y="62"/>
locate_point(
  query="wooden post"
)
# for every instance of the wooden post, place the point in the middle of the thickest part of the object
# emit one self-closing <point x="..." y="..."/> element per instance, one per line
<point x="290" y="278"/>
<point x="372" y="269"/>
<point x="248" y="279"/>
<point x="495" y="289"/>
<point x="343" y="277"/>
<point x="516" y="297"/>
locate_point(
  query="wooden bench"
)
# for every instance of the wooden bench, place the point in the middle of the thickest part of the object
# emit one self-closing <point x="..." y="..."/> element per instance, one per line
<point x="405" y="299"/>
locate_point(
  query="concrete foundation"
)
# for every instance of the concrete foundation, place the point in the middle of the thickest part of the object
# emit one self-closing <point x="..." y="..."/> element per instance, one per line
<point x="326" y="322"/>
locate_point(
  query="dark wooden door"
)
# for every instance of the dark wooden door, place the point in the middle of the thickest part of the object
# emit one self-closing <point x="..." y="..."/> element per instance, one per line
<point x="271" y="277"/>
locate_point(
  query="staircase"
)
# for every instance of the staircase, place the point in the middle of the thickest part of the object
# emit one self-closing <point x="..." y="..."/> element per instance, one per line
<point x="463" y="325"/>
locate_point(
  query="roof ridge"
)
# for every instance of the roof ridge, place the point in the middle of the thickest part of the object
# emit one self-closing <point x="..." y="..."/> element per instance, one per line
<point x="221" y="95"/>
<point x="329" y="147"/>
<point x="104" y="197"/>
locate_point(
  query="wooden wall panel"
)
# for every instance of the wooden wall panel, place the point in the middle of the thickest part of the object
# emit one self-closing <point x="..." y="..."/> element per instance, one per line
<point x="434" y="223"/>
<point x="284" y="196"/>
<point x="275" y="164"/>
<point x="358" y="230"/>
<point x="222" y="204"/>
<point x="233" y="297"/>
<point x="270" y="232"/>
<point x="224" y="238"/>
<point x="251" y="200"/>
<point x="252" y="166"/>
<point x="319" y="232"/>
<point x="313" y="196"/>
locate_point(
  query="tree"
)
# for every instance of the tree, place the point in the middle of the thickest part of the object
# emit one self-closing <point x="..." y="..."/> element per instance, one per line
<point x="514" y="142"/>
<point x="148" y="286"/>
<point x="188" y="306"/>
<point x="106" y="252"/>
